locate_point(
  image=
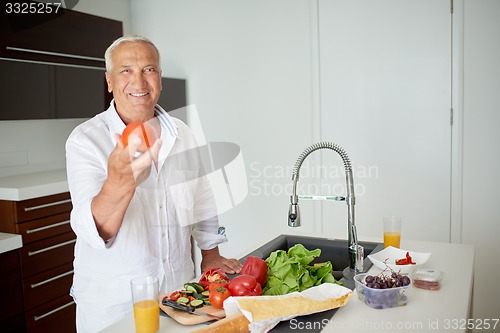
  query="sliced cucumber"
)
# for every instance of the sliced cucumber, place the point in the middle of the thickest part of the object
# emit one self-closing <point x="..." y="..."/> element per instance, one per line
<point x="199" y="287"/>
<point x="205" y="293"/>
<point x="190" y="287"/>
<point x="207" y="302"/>
<point x="186" y="292"/>
<point x="183" y="300"/>
<point x="194" y="286"/>
<point x="196" y="303"/>
<point x="198" y="296"/>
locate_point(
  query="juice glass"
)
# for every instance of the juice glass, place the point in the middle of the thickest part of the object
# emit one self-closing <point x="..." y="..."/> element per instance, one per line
<point x="392" y="231"/>
<point x="145" y="292"/>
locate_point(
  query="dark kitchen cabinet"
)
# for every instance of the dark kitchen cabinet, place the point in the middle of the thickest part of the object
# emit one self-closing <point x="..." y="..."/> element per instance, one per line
<point x="173" y="94"/>
<point x="64" y="37"/>
<point x="43" y="91"/>
<point x="52" y="64"/>
<point x="79" y="92"/>
<point x="43" y="274"/>
<point x="11" y="306"/>
<point x="25" y="90"/>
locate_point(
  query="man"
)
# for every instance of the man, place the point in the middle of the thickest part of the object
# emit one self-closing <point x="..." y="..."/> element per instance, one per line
<point x="131" y="213"/>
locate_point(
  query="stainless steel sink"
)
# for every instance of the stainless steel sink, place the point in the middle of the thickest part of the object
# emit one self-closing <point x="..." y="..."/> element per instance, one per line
<point x="333" y="250"/>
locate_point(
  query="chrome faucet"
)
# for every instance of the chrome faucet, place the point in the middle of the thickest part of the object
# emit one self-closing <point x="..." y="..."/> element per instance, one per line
<point x="355" y="250"/>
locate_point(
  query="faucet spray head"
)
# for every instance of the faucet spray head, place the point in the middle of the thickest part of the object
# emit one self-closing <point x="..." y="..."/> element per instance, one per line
<point x="293" y="212"/>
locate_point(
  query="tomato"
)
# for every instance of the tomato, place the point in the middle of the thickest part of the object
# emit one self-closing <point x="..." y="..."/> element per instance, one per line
<point x="217" y="297"/>
<point x="244" y="285"/>
<point x="175" y="296"/>
<point x="211" y="275"/>
<point x="217" y="284"/>
<point x="255" y="267"/>
<point x="144" y="131"/>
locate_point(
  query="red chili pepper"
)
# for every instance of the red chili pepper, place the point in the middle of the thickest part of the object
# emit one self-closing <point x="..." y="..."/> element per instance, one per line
<point x="211" y="275"/>
<point x="405" y="261"/>
<point x="255" y="267"/>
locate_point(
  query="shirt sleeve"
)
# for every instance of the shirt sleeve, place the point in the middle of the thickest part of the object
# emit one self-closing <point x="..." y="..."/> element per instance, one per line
<point x="206" y="235"/>
<point x="86" y="175"/>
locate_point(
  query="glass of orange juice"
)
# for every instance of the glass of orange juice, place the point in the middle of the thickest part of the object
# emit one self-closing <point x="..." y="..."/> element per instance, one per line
<point x="392" y="231"/>
<point x="145" y="296"/>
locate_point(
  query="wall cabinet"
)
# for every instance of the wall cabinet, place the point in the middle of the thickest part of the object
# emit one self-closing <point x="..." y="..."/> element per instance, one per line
<point x="44" y="91"/>
<point x="52" y="64"/>
<point x="45" y="262"/>
<point x="65" y="36"/>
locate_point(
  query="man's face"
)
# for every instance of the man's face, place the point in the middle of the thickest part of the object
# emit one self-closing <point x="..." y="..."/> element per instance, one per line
<point x="135" y="80"/>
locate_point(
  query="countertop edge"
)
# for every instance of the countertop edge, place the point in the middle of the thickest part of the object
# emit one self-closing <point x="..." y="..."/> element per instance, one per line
<point x="9" y="242"/>
<point x="29" y="186"/>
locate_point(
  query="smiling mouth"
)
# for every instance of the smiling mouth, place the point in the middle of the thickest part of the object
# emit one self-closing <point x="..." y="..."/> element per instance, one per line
<point x="138" y="94"/>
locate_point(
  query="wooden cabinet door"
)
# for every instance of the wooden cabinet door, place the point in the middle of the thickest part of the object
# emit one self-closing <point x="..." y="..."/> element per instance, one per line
<point x="26" y="90"/>
<point x="80" y="92"/>
<point x="10" y="285"/>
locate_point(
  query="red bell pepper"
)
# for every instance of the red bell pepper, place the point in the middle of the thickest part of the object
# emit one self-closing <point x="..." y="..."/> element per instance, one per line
<point x="255" y="267"/>
<point x="211" y="275"/>
<point x="244" y="285"/>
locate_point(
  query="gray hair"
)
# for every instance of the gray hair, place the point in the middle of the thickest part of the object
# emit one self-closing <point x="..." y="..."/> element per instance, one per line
<point x="127" y="39"/>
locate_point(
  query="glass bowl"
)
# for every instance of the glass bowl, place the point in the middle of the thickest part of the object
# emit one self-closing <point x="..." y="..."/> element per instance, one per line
<point x="380" y="298"/>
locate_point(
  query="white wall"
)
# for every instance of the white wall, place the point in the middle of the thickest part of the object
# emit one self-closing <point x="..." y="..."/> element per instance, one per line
<point x="248" y="66"/>
<point x="481" y="157"/>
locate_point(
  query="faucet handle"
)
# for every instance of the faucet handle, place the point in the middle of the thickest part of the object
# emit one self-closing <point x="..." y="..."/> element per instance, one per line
<point x="359" y="258"/>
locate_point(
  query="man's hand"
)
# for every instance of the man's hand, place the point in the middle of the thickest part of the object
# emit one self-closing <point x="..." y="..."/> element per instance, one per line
<point x="212" y="259"/>
<point x="126" y="168"/>
<point x="125" y="173"/>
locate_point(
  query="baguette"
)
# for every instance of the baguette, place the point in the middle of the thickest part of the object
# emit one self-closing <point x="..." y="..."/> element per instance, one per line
<point x="237" y="323"/>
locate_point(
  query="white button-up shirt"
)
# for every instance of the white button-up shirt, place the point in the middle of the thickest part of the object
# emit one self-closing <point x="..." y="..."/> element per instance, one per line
<point x="155" y="236"/>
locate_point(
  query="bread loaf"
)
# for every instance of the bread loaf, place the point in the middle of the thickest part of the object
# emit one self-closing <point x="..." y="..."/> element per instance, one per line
<point x="237" y="323"/>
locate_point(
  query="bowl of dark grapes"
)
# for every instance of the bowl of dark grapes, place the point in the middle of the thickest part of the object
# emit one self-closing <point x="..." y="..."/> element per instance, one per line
<point x="382" y="291"/>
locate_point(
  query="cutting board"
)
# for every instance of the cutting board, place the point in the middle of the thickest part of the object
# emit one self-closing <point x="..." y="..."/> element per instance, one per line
<point x="185" y="318"/>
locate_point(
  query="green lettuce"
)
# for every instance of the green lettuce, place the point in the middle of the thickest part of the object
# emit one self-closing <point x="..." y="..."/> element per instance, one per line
<point x="290" y="271"/>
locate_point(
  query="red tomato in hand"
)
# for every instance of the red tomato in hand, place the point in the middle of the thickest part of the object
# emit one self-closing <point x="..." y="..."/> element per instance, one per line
<point x="217" y="284"/>
<point x="217" y="297"/>
<point x="244" y="285"/>
<point x="144" y="131"/>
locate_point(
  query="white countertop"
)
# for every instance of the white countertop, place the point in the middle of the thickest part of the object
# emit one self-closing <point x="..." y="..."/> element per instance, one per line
<point x="33" y="185"/>
<point x="426" y="310"/>
<point x="9" y="242"/>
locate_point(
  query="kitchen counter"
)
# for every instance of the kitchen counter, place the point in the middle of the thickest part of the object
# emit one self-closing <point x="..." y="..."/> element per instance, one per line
<point x="446" y="309"/>
<point x="9" y="242"/>
<point x="33" y="185"/>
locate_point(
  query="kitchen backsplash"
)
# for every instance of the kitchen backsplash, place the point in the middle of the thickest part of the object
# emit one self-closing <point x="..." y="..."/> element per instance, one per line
<point x="28" y="146"/>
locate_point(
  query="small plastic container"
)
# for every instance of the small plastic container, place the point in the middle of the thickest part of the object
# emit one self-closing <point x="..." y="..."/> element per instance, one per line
<point x="380" y="298"/>
<point x="427" y="279"/>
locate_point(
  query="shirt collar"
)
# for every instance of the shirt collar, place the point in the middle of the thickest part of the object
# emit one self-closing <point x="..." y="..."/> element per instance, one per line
<point x="166" y="121"/>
